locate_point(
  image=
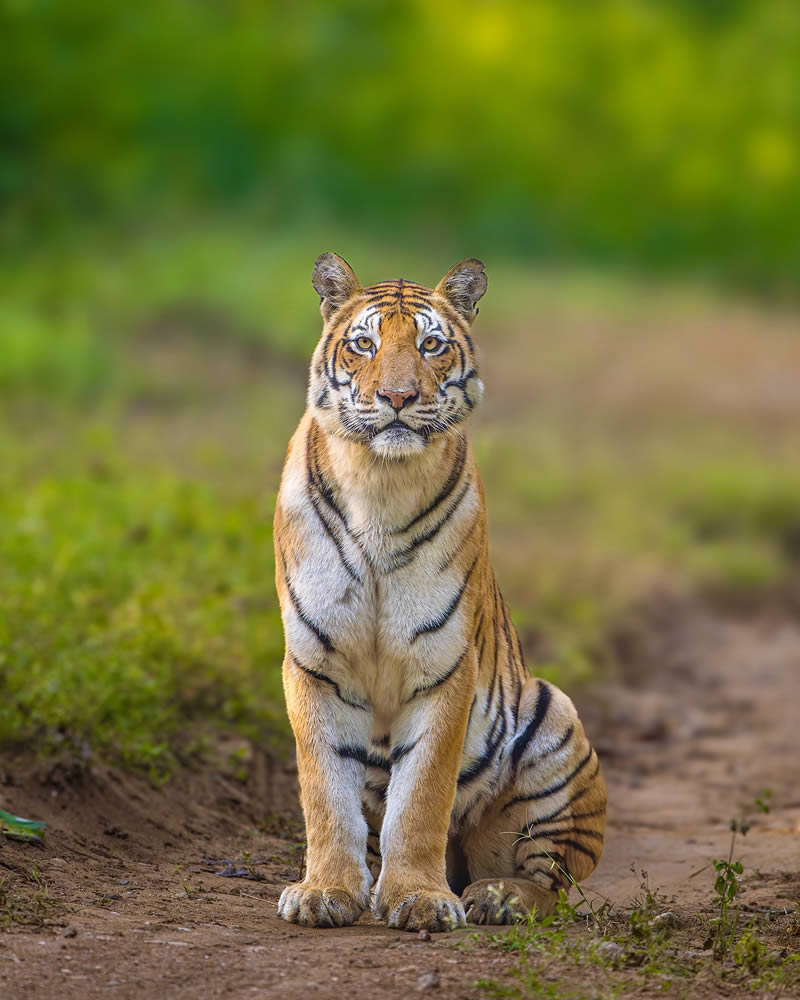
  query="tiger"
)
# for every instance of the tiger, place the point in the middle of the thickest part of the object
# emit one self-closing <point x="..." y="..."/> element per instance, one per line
<point x="440" y="782"/>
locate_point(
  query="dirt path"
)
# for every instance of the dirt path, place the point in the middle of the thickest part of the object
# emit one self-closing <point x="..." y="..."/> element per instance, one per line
<point x="132" y="905"/>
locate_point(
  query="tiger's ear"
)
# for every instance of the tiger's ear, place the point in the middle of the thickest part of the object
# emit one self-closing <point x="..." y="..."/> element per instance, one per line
<point x="463" y="286"/>
<point x="334" y="281"/>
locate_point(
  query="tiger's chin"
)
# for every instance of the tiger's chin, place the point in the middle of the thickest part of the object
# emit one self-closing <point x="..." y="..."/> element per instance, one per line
<point x="397" y="443"/>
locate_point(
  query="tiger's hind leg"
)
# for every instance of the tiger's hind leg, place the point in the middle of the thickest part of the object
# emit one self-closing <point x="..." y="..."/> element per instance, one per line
<point x="544" y="828"/>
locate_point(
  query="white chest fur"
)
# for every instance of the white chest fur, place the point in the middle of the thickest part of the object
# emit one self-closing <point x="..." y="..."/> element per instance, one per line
<point x="367" y="583"/>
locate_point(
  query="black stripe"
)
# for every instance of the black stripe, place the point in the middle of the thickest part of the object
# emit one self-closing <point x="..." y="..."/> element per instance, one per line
<point x="333" y="378"/>
<point x="551" y="855"/>
<point x="575" y="846"/>
<point x="325" y="354"/>
<point x="317" y="479"/>
<point x="490" y="695"/>
<point x="463" y="358"/>
<point x="403" y="557"/>
<point x="582" y="791"/>
<point x="559" y="746"/>
<point x="557" y="787"/>
<point x="380" y="301"/>
<point x="351" y="752"/>
<point x="328" y="680"/>
<point x="353" y="572"/>
<point x="442" y="619"/>
<point x="560" y="831"/>
<point x="302" y="614"/>
<point x="304" y="617"/>
<point x="472" y="705"/>
<point x="446" y="490"/>
<point x="500" y="714"/>
<point x="507" y="631"/>
<point x="518" y="685"/>
<point x="441" y="680"/>
<point x="480" y="765"/>
<point x="556" y="814"/>
<point x="525" y="737"/>
<point x="401" y="750"/>
<point x="494" y="621"/>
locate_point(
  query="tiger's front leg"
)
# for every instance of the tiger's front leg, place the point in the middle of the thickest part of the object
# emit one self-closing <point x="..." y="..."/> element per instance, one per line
<point x="427" y="740"/>
<point x="332" y="733"/>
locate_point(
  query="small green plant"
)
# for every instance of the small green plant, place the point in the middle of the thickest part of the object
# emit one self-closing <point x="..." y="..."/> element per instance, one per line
<point x="644" y="910"/>
<point x="726" y="886"/>
<point x="749" y="951"/>
<point x="728" y="882"/>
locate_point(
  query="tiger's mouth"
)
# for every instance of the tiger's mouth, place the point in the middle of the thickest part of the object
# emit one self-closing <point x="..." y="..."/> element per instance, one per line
<point x="399" y="426"/>
<point x="397" y="440"/>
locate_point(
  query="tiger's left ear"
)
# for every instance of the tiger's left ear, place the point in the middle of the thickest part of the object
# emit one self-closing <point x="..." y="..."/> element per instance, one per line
<point x="463" y="286"/>
<point x="334" y="281"/>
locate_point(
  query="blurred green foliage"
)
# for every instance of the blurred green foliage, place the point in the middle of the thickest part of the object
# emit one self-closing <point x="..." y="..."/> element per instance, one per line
<point x="663" y="133"/>
<point x="138" y="610"/>
<point x="168" y="172"/>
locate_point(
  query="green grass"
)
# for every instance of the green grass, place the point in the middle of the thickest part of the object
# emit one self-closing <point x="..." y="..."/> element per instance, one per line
<point x="138" y="607"/>
<point x="589" y="950"/>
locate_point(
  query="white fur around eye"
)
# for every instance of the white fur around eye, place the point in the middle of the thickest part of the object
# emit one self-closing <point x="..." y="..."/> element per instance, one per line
<point x="366" y="324"/>
<point x="428" y="323"/>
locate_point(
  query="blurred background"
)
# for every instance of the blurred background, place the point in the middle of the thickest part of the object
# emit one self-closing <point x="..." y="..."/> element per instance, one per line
<point x="629" y="170"/>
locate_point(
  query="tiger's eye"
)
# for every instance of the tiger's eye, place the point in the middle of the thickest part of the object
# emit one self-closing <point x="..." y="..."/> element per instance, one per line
<point x="364" y="343"/>
<point x="431" y="343"/>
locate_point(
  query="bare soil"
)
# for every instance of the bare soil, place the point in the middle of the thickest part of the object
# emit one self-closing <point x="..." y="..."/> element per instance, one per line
<point x="130" y="898"/>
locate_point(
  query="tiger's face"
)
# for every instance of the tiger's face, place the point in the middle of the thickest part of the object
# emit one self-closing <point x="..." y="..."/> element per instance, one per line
<point x="396" y="364"/>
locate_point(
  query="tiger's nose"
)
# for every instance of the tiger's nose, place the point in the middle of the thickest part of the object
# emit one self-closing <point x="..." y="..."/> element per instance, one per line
<point x="398" y="398"/>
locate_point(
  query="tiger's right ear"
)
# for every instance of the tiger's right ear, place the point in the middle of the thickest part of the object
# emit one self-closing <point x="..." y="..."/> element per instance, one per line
<point x="334" y="281"/>
<point x="463" y="286"/>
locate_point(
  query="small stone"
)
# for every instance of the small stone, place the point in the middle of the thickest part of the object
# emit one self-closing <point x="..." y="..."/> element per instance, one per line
<point x="70" y="931"/>
<point x="610" y="951"/>
<point x="429" y="981"/>
<point x="424" y="934"/>
<point x="666" y="920"/>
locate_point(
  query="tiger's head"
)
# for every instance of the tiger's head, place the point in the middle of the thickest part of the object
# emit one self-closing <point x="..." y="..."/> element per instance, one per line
<point x="396" y="366"/>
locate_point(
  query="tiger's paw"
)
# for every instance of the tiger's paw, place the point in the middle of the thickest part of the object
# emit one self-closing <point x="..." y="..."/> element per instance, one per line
<point x="421" y="910"/>
<point x="312" y="907"/>
<point x="505" y="901"/>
